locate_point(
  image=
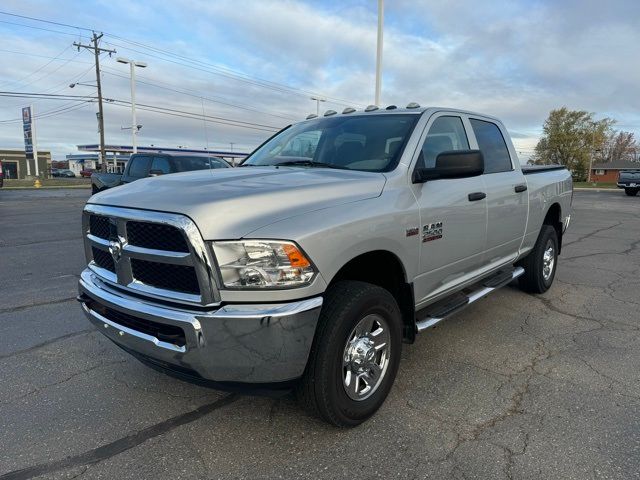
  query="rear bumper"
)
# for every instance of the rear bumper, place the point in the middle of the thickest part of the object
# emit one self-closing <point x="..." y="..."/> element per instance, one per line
<point x="625" y="185"/>
<point x="235" y="344"/>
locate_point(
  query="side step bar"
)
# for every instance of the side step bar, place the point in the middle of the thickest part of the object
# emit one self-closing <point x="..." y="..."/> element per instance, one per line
<point x="434" y="314"/>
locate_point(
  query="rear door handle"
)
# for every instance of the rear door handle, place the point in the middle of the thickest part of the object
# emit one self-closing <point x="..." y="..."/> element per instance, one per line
<point x="475" y="196"/>
<point x="520" y="188"/>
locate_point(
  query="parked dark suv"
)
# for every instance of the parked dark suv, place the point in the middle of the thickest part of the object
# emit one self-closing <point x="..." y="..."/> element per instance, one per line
<point x="630" y="181"/>
<point x="142" y="165"/>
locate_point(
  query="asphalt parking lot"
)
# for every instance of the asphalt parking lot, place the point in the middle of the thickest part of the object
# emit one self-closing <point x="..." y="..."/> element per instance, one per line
<point x="516" y="386"/>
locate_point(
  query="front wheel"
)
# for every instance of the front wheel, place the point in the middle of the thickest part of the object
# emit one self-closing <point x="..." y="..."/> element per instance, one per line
<point x="540" y="265"/>
<point x="632" y="192"/>
<point x="355" y="354"/>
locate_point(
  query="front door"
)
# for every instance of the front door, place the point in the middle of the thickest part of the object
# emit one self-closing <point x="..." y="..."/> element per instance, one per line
<point x="453" y="224"/>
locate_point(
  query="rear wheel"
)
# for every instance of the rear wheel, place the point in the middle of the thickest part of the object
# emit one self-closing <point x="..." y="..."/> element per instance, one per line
<point x="540" y="265"/>
<point x="632" y="192"/>
<point x="94" y="189"/>
<point x="355" y="355"/>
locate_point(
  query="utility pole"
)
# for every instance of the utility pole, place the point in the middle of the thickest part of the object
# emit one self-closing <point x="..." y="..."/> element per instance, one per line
<point x="379" y="51"/>
<point x="96" y="52"/>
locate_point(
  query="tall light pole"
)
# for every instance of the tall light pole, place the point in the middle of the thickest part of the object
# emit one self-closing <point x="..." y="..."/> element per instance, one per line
<point x="379" y="51"/>
<point x="318" y="100"/>
<point x="593" y="147"/>
<point x="134" y="124"/>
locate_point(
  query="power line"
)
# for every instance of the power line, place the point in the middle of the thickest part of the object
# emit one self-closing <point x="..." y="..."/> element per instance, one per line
<point x="45" y="21"/>
<point x="198" y="95"/>
<point x="42" y="56"/>
<point x="215" y="70"/>
<point x="211" y="68"/>
<point x="39" y="28"/>
<point x="36" y="70"/>
<point x="143" y="106"/>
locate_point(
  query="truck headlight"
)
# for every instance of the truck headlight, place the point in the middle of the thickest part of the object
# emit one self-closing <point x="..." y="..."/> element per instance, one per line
<point x="262" y="264"/>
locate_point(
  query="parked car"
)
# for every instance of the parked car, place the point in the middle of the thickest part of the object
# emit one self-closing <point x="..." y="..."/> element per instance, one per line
<point x="56" y="172"/>
<point x="1" y="176"/>
<point x="87" y="172"/>
<point x="142" y="165"/>
<point x="630" y="181"/>
<point x="309" y="266"/>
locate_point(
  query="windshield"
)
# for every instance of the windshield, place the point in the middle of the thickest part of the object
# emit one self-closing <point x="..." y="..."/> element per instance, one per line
<point x="371" y="143"/>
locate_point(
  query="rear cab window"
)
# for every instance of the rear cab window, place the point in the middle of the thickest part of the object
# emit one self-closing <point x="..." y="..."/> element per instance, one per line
<point x="492" y="145"/>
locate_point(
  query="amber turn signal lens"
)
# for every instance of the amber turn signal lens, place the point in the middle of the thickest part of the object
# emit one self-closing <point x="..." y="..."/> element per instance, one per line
<point x="296" y="258"/>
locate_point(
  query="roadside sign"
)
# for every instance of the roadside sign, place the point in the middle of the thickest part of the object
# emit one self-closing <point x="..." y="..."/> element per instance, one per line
<point x="28" y="129"/>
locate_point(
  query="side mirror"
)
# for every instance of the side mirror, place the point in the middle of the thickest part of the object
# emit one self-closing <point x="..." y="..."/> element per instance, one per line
<point x="155" y="173"/>
<point x="452" y="164"/>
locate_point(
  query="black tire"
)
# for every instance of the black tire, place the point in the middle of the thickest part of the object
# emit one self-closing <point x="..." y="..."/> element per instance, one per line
<point x="632" y="192"/>
<point x="322" y="390"/>
<point x="94" y="189"/>
<point x="534" y="279"/>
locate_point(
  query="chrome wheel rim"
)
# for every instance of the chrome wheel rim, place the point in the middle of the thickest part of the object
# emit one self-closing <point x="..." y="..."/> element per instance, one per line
<point x="366" y="357"/>
<point x="548" y="261"/>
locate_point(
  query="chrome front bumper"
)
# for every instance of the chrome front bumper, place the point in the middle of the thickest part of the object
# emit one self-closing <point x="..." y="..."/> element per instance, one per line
<point x="266" y="343"/>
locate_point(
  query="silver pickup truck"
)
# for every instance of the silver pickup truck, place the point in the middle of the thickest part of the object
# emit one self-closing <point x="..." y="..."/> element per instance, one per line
<point x="335" y="242"/>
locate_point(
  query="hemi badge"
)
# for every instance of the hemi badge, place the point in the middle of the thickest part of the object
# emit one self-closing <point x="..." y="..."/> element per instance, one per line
<point x="412" y="231"/>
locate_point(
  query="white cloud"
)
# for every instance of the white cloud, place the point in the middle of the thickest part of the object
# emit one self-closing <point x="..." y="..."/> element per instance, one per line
<point x="515" y="60"/>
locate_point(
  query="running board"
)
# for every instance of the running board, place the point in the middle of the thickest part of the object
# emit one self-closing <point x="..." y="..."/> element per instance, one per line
<point x="434" y="314"/>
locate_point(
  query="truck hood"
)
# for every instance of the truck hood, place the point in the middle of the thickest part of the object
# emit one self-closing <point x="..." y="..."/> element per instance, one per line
<point x="231" y="203"/>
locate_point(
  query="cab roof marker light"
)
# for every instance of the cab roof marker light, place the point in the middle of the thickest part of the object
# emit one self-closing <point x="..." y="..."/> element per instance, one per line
<point x="349" y="110"/>
<point x="328" y="113"/>
<point x="371" y="108"/>
<point x="413" y="105"/>
<point x="391" y="107"/>
<point x="310" y="116"/>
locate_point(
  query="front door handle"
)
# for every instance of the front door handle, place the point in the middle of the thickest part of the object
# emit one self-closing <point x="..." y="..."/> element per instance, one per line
<point x="520" y="188"/>
<point x="475" y="196"/>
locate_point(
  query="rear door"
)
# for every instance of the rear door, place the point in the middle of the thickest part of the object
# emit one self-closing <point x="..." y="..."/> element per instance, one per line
<point x="452" y="226"/>
<point x="507" y="197"/>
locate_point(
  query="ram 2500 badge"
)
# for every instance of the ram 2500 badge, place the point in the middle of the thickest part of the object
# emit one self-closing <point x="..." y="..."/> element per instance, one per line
<point x="336" y="242"/>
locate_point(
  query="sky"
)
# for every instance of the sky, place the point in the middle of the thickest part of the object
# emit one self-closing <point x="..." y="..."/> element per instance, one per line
<point x="258" y="62"/>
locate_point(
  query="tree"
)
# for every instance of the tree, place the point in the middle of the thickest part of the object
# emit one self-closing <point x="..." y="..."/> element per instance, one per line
<point x="570" y="137"/>
<point x="620" y="146"/>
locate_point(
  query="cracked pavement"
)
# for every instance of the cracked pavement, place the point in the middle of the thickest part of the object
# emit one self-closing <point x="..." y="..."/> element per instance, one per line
<point x="516" y="386"/>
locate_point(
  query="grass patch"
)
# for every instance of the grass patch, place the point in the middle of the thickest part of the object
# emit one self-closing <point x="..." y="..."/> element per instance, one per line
<point x="51" y="182"/>
<point x="594" y="185"/>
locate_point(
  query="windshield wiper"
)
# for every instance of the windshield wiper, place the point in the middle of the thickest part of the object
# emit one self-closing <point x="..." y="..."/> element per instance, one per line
<point x="309" y="163"/>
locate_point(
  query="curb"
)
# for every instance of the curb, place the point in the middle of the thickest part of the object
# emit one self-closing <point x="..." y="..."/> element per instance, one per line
<point x="595" y="189"/>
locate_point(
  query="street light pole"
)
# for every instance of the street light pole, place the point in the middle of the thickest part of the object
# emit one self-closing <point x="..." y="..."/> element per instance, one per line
<point x="134" y="124"/>
<point x="379" y="51"/>
<point x="593" y="141"/>
<point x="318" y="100"/>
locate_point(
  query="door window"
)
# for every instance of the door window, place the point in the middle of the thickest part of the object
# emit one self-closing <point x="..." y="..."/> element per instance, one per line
<point x="161" y="164"/>
<point x="445" y="134"/>
<point x="139" y="166"/>
<point x="492" y="145"/>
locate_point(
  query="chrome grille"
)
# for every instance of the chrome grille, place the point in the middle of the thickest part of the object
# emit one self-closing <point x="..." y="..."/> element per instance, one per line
<point x="156" y="236"/>
<point x="161" y="255"/>
<point x="99" y="226"/>
<point x="181" y="278"/>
